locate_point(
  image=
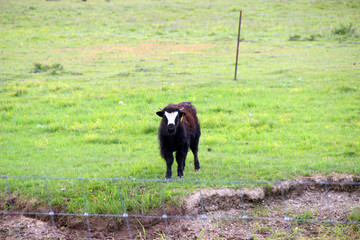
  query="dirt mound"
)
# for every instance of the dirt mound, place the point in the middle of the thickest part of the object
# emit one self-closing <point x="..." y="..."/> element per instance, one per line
<point x="307" y="208"/>
<point x="294" y="208"/>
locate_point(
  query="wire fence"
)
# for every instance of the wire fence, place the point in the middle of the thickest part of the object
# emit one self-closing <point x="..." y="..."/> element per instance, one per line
<point x="229" y="210"/>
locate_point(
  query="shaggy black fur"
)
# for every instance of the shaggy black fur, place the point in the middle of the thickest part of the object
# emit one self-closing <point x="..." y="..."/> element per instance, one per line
<point x="179" y="137"/>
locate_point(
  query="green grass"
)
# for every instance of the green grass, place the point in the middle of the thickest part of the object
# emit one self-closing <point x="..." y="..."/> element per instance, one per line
<point x="81" y="82"/>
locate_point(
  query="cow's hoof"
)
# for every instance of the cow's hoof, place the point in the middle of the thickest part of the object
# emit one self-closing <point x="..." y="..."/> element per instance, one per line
<point x="180" y="177"/>
<point x="196" y="170"/>
<point x="168" y="179"/>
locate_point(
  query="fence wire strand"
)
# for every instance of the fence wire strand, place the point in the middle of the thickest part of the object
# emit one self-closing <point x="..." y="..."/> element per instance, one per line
<point x="329" y="210"/>
<point x="12" y="212"/>
<point x="124" y="215"/>
<point x="203" y="216"/>
<point x="286" y="218"/>
<point x="245" y="215"/>
<point x="51" y="213"/>
<point x="86" y="213"/>
<point x="164" y="209"/>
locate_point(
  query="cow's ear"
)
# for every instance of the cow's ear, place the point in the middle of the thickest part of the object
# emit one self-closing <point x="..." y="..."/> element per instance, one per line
<point x="182" y="114"/>
<point x="160" y="113"/>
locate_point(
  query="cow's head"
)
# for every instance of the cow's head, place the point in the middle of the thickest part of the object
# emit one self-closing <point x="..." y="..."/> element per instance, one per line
<point x="171" y="118"/>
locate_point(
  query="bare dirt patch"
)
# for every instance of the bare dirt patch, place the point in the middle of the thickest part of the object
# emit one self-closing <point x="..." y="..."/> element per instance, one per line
<point x="145" y="50"/>
<point x="140" y="48"/>
<point x="264" y="212"/>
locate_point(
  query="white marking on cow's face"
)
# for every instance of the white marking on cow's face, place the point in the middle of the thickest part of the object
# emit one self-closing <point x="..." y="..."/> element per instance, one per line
<point x="171" y="117"/>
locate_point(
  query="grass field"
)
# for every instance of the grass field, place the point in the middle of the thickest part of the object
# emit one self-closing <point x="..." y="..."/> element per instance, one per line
<point x="81" y="82"/>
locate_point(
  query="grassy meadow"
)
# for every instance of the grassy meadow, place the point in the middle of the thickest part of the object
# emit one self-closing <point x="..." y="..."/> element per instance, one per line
<point x="81" y="82"/>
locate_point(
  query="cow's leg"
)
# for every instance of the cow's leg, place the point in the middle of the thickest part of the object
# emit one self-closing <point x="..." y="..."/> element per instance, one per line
<point x="194" y="148"/>
<point x="169" y="158"/>
<point x="180" y="159"/>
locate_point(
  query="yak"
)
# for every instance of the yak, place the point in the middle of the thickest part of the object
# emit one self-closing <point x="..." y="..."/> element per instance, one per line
<point x="179" y="129"/>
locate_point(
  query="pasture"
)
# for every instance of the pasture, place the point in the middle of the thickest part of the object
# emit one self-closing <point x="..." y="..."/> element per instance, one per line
<point x="81" y="83"/>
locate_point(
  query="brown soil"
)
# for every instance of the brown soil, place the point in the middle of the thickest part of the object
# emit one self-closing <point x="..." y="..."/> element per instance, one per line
<point x="223" y="209"/>
<point x="144" y="49"/>
<point x="141" y="48"/>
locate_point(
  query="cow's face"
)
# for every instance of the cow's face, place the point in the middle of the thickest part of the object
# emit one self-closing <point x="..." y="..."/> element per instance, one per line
<point x="171" y="119"/>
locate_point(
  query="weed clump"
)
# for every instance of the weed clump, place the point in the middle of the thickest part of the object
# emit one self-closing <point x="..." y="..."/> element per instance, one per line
<point x="355" y="215"/>
<point x="53" y="68"/>
<point x="306" y="215"/>
<point x="344" y="31"/>
<point x="312" y="38"/>
<point x="295" y="37"/>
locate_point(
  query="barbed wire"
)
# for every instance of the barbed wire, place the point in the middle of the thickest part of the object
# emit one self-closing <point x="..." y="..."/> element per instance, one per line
<point x="242" y="215"/>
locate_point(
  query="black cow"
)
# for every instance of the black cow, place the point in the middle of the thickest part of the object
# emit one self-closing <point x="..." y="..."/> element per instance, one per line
<point x="179" y="130"/>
